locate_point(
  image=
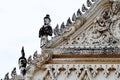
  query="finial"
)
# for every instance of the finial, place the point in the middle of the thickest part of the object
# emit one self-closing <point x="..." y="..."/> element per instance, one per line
<point x="7" y="76"/>
<point x="35" y="55"/>
<point x="79" y="13"/>
<point x="84" y="9"/>
<point x="69" y="22"/>
<point x="62" y="26"/>
<point x="22" y="51"/>
<point x="13" y="73"/>
<point x="29" y="59"/>
<point x="22" y="62"/>
<point x="74" y="17"/>
<point x="89" y="4"/>
<point x="56" y="30"/>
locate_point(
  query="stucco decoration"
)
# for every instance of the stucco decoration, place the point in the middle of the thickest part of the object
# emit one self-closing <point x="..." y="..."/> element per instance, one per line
<point x="14" y="74"/>
<point x="37" y="62"/>
<point x="104" y="31"/>
<point x="81" y="71"/>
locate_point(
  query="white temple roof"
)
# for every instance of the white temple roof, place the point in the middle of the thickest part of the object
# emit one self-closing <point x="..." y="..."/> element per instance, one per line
<point x="96" y="26"/>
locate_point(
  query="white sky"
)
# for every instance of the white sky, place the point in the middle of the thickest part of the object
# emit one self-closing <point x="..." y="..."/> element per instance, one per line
<point x="20" y="21"/>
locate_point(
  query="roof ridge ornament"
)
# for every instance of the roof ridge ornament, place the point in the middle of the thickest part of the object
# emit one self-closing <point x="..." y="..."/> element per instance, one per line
<point x="45" y="30"/>
<point x="22" y="62"/>
<point x="84" y="8"/>
<point x="14" y="73"/>
<point x="79" y="13"/>
<point x="89" y="4"/>
<point x="35" y="55"/>
<point x="29" y="60"/>
<point x="76" y="21"/>
<point x="69" y="22"/>
<point x="62" y="26"/>
<point x="7" y="76"/>
<point x="74" y="17"/>
<point x="56" y="30"/>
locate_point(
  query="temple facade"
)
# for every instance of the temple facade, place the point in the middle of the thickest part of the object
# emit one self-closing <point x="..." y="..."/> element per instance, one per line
<point x="87" y="47"/>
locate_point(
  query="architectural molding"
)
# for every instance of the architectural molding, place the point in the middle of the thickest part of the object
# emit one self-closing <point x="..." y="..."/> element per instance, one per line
<point x="86" y="48"/>
<point x="82" y="71"/>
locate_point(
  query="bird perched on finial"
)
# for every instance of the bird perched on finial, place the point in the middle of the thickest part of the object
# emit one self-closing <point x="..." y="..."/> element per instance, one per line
<point x="22" y="62"/>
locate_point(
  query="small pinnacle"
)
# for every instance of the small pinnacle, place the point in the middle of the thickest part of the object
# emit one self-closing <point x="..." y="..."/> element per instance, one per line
<point x="62" y="26"/>
<point x="56" y="30"/>
<point x="89" y="4"/>
<point x="74" y="17"/>
<point x="84" y="9"/>
<point x="79" y="13"/>
<point x="69" y="22"/>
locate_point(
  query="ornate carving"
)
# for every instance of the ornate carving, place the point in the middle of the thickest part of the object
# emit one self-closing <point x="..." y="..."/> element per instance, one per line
<point x="89" y="3"/>
<point x="74" y="17"/>
<point x="106" y="72"/>
<point x="6" y="76"/>
<point x="104" y="31"/>
<point x="56" y="71"/>
<point x="56" y="30"/>
<point x="117" y="72"/>
<point x="67" y="71"/>
<point x="14" y="74"/>
<point x="39" y="59"/>
<point x="30" y="70"/>
<point x="94" y="72"/>
<point x="78" y="71"/>
<point x="29" y="59"/>
<point x="68" y="30"/>
<point x="69" y="22"/>
<point x="35" y="55"/>
<point x="81" y="71"/>
<point x="79" y="13"/>
<point x="22" y="62"/>
<point x="84" y="9"/>
<point x="51" y="72"/>
<point x="85" y="75"/>
<point x="62" y="27"/>
<point x="45" y="30"/>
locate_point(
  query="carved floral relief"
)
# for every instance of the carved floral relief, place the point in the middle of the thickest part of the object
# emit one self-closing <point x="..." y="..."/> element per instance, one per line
<point x="104" y="31"/>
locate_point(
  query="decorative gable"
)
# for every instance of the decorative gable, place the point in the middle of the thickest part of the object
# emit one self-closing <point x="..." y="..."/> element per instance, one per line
<point x="99" y="26"/>
<point x="90" y="34"/>
<point x="103" y="31"/>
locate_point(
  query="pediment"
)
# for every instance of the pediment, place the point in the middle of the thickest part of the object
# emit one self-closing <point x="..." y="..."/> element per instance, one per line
<point x="99" y="26"/>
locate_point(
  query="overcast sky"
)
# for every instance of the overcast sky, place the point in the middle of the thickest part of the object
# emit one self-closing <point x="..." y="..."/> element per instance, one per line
<point x="20" y="21"/>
